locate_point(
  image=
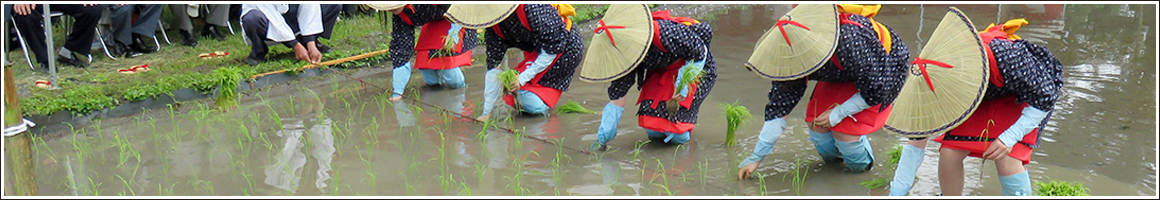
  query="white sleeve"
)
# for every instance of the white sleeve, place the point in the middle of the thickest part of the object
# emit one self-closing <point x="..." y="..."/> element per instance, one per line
<point x="277" y="30"/>
<point x="309" y="19"/>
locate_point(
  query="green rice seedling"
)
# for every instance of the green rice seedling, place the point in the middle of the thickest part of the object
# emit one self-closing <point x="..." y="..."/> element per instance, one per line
<point x="637" y="150"/>
<point x="509" y="80"/>
<point x="483" y="132"/>
<point x="688" y="77"/>
<point x="228" y="78"/>
<point x="735" y="116"/>
<point x="799" y="175"/>
<point x="573" y="107"/>
<point x="163" y="192"/>
<point x="875" y="183"/>
<point x="761" y="182"/>
<point x="1060" y="188"/>
<point x="665" y="189"/>
<point x="894" y="155"/>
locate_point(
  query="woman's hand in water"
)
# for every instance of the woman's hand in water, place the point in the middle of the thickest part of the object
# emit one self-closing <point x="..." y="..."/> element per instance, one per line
<point x="747" y="171"/>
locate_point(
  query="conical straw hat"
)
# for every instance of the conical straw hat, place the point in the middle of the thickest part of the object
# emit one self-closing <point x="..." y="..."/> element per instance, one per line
<point x="800" y="43"/>
<point x="479" y="16"/>
<point x="939" y="98"/>
<point x="382" y="7"/>
<point x="622" y="38"/>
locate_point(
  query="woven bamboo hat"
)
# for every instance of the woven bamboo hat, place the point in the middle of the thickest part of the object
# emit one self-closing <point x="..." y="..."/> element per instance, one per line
<point x="382" y="7"/>
<point x="620" y="43"/>
<point x="799" y="44"/>
<point x="479" y="16"/>
<point x="946" y="81"/>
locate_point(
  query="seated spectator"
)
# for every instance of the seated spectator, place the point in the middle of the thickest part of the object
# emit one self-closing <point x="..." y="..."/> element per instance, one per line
<point x="217" y="17"/>
<point x="30" y="18"/>
<point x="128" y="35"/>
<point x="297" y="26"/>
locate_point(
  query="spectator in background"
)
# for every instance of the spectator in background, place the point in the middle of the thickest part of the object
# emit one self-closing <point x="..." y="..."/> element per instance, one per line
<point x="296" y="26"/>
<point x="30" y="17"/>
<point x="129" y="34"/>
<point x="218" y="16"/>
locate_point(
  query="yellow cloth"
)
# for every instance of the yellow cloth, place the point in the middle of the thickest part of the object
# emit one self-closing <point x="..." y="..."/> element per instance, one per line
<point x="1010" y="27"/>
<point x="864" y="10"/>
<point x="869" y="11"/>
<point x="566" y="10"/>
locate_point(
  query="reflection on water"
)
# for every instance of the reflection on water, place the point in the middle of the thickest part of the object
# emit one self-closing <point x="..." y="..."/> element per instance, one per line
<point x="1101" y="133"/>
<point x="284" y="172"/>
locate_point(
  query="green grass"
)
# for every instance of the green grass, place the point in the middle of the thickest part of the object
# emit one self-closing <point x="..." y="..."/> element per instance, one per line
<point x="894" y="155"/>
<point x="1060" y="188"/>
<point x="875" y="183"/>
<point x="174" y="67"/>
<point x="573" y="107"/>
<point x="735" y="116"/>
<point x="800" y="171"/>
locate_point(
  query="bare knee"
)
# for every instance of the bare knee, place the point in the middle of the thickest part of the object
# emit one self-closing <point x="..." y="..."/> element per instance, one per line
<point x="846" y="137"/>
<point x="951" y="156"/>
<point x="819" y="129"/>
<point x="1008" y="165"/>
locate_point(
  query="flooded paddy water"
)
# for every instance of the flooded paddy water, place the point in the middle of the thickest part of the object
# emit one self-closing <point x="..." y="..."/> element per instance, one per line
<point x="339" y="135"/>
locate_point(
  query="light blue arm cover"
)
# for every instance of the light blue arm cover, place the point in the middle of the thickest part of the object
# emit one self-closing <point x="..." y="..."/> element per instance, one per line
<point x="453" y="32"/>
<point x="769" y="134"/>
<point x="852" y="106"/>
<point x="541" y="64"/>
<point x="490" y="89"/>
<point x="1027" y="122"/>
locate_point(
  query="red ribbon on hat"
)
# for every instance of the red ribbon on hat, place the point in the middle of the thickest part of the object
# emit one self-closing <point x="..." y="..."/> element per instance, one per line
<point x="606" y="28"/>
<point x="922" y="66"/>
<point x="780" y="26"/>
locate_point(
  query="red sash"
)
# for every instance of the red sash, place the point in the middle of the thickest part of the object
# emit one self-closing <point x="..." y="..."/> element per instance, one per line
<point x="665" y="15"/>
<point x="994" y="33"/>
<point x="991" y="119"/>
<point x="830" y="94"/>
<point x="659" y="88"/>
<point x="431" y="38"/>
<point x="549" y="95"/>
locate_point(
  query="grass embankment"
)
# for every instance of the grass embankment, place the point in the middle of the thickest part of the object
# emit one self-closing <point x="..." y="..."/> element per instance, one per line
<point x="175" y="67"/>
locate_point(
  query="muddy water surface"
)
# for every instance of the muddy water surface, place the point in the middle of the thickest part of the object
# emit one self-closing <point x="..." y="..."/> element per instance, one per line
<point x="337" y="136"/>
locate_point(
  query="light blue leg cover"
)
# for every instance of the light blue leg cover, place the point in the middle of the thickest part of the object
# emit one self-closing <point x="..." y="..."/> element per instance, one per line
<point x="824" y="142"/>
<point x="491" y="90"/>
<point x="907" y="170"/>
<point x="1016" y="185"/>
<point x="857" y="154"/>
<point x="531" y="103"/>
<point x="655" y="135"/>
<point x="668" y="137"/>
<point x="453" y="78"/>
<point x="431" y="77"/>
<point x="609" y="119"/>
<point x="399" y="78"/>
<point x="770" y="132"/>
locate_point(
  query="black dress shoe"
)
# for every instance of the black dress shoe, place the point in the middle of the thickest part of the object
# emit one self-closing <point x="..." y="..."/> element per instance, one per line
<point x="42" y="68"/>
<point x="75" y="61"/>
<point x="211" y="31"/>
<point x="188" y="39"/>
<point x="322" y="48"/>
<point x="122" y="50"/>
<point x="140" y="46"/>
<point x="253" y="61"/>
